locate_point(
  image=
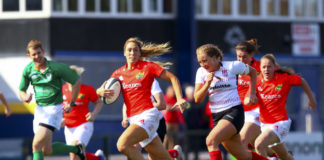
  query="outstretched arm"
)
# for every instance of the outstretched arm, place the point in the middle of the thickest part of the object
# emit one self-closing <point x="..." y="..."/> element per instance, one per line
<point x="168" y="76"/>
<point x="7" y="110"/>
<point x="307" y="90"/>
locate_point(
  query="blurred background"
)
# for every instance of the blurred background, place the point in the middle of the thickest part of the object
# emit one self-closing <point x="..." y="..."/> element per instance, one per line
<point x="91" y="33"/>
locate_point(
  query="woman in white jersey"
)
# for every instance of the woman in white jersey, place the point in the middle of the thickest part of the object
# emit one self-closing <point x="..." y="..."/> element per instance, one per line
<point x="218" y="79"/>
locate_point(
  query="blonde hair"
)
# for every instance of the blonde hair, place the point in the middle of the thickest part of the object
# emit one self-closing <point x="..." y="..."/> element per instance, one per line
<point x="279" y="69"/>
<point x="211" y="50"/>
<point x="77" y="69"/>
<point x="34" y="44"/>
<point x="149" y="50"/>
<point x="250" y="46"/>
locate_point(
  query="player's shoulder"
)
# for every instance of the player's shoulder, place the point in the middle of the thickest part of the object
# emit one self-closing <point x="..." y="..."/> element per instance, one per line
<point x="86" y="86"/>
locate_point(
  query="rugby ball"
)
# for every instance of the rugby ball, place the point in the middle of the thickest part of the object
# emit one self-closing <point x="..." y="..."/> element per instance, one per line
<point x="112" y="83"/>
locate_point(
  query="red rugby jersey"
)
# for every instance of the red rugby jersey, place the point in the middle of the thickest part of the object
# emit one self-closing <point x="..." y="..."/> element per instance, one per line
<point x="136" y="85"/>
<point x="273" y="96"/>
<point x="78" y="114"/>
<point x="243" y="85"/>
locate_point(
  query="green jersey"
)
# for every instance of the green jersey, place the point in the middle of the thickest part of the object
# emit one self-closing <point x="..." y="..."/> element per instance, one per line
<point x="47" y="85"/>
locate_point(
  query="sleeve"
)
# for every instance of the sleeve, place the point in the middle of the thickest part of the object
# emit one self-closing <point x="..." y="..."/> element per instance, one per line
<point x="155" y="87"/>
<point x="156" y="69"/>
<point x="294" y="80"/>
<point x="67" y="74"/>
<point x="238" y="67"/>
<point x="200" y="76"/>
<point x="24" y="82"/>
<point x="93" y="95"/>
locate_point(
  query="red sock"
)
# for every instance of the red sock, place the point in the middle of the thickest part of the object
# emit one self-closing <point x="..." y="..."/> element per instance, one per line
<point x="173" y="153"/>
<point x="256" y="156"/>
<point x="91" y="156"/>
<point x="215" y="155"/>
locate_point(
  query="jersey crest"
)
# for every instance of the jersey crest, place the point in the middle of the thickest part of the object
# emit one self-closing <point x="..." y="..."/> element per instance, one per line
<point x="80" y="96"/>
<point x="278" y="87"/>
<point x="140" y="75"/>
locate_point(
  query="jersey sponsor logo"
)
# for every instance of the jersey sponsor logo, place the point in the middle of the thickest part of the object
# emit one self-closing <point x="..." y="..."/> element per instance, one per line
<point x="220" y="86"/>
<point x="132" y="85"/>
<point x="243" y="83"/>
<point x="140" y="75"/>
<point x="278" y="87"/>
<point x="269" y="97"/>
<point x="80" y="96"/>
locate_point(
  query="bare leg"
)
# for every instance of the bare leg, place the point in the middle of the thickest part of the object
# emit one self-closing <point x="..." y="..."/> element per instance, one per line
<point x="132" y="135"/>
<point x="157" y="151"/>
<point x="249" y="133"/>
<point x="264" y="140"/>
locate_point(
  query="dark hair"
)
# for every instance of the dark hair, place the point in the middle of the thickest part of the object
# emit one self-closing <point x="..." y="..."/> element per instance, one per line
<point x="211" y="50"/>
<point x="249" y="46"/>
<point x="279" y="69"/>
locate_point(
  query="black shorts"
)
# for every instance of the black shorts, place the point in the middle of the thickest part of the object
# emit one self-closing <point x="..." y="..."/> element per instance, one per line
<point x="235" y="115"/>
<point x="162" y="129"/>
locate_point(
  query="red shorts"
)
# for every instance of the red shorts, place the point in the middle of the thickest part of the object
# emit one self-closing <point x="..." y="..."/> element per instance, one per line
<point x="173" y="117"/>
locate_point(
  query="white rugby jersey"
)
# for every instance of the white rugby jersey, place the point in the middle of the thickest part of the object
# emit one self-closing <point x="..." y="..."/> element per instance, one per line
<point x="222" y="91"/>
<point x="155" y="90"/>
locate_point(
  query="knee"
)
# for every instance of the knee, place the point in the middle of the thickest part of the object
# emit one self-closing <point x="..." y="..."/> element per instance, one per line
<point x="47" y="152"/>
<point x="211" y="141"/>
<point x="121" y="147"/>
<point x="37" y="146"/>
<point x="259" y="146"/>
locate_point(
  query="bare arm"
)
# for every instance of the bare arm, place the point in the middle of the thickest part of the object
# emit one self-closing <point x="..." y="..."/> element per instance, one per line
<point x="307" y="90"/>
<point x="160" y="101"/>
<point x="7" y="110"/>
<point x="104" y="92"/>
<point x="201" y="90"/>
<point x="181" y="103"/>
<point x="91" y="116"/>
<point x="251" y="97"/>
<point x="75" y="91"/>
<point x="25" y="97"/>
<point x="124" y="122"/>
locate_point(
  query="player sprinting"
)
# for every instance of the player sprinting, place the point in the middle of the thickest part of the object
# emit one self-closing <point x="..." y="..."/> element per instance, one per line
<point x="217" y="79"/>
<point x="46" y="77"/>
<point x="137" y="77"/>
<point x="273" y="86"/>
<point x="79" y="122"/>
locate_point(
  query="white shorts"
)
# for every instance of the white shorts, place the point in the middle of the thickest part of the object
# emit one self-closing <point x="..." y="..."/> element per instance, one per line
<point x="81" y="133"/>
<point x="252" y="116"/>
<point x="280" y="128"/>
<point x="149" y="120"/>
<point x="50" y="115"/>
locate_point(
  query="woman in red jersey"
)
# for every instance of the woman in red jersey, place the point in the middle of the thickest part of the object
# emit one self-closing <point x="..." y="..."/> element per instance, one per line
<point x="245" y="51"/>
<point x="79" y="122"/>
<point x="273" y="86"/>
<point x="137" y="77"/>
<point x="218" y="79"/>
